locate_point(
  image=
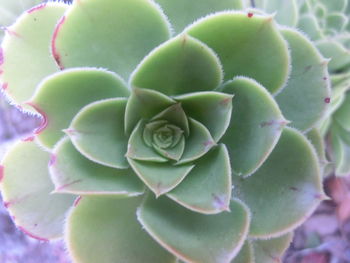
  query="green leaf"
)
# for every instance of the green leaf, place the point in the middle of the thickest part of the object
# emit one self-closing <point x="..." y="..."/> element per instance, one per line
<point x="336" y="21"/>
<point x="271" y="250"/>
<point x="183" y="12"/>
<point x="207" y="188"/>
<point x="29" y="40"/>
<point x="308" y="23"/>
<point x="287" y="12"/>
<point x="341" y="153"/>
<point x="160" y="177"/>
<point x="97" y="132"/>
<point x="234" y="37"/>
<point x="340" y="56"/>
<point x="294" y="189"/>
<point x="342" y="115"/>
<point x="304" y="101"/>
<point x="106" y="230"/>
<point x="60" y="97"/>
<point x="144" y="104"/>
<point x="335" y="5"/>
<point x="26" y="190"/>
<point x="173" y="153"/>
<point x="245" y="255"/>
<point x="317" y="141"/>
<point x="212" y="109"/>
<point x="194" y="237"/>
<point x="73" y="173"/>
<point x="138" y="149"/>
<point x="198" y="143"/>
<point x="180" y="65"/>
<point x="129" y="28"/>
<point x="255" y="127"/>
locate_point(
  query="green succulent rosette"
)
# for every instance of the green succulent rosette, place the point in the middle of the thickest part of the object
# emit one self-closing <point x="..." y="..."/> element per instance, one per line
<point x="171" y="131"/>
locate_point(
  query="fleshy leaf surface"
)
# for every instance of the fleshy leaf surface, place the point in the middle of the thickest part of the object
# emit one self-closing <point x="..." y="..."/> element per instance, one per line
<point x="29" y="40"/>
<point x="194" y="237"/>
<point x="180" y="65"/>
<point x="255" y="127"/>
<point x="97" y="132"/>
<point x="294" y="187"/>
<point x="160" y="177"/>
<point x="245" y="255"/>
<point x="106" y="230"/>
<point x="72" y="173"/>
<point x="84" y="85"/>
<point x="212" y="109"/>
<point x="304" y="100"/>
<point x="207" y="188"/>
<point x="131" y="28"/>
<point x="234" y="37"/>
<point x="26" y="190"/>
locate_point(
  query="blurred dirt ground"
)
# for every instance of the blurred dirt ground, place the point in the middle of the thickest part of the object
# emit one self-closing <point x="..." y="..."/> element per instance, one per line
<point x="323" y="238"/>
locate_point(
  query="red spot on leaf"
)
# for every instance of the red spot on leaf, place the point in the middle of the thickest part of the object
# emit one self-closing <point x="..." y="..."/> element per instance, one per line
<point x="250" y="15"/>
<point x="32" y="235"/>
<point x="1" y="172"/>
<point x="7" y="204"/>
<point x="4" y="86"/>
<point x="327" y="100"/>
<point x="225" y="102"/>
<point x="28" y="139"/>
<point x="55" y="52"/>
<point x="325" y="78"/>
<point x="36" y="8"/>
<point x="53" y="159"/>
<point x="44" y="121"/>
<point x="77" y="200"/>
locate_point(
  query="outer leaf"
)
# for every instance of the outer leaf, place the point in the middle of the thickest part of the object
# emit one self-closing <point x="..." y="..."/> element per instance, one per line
<point x="106" y="230"/>
<point x="26" y="189"/>
<point x="245" y="255"/>
<point x="305" y="99"/>
<point x="207" y="188"/>
<point x="343" y="113"/>
<point x="84" y="85"/>
<point x="341" y="151"/>
<point x="131" y="28"/>
<point x="212" y="109"/>
<point x="294" y="179"/>
<point x="194" y="237"/>
<point x="144" y="104"/>
<point x="271" y="250"/>
<point x="255" y="127"/>
<point x="234" y="37"/>
<point x="97" y="132"/>
<point x="180" y="65"/>
<point x="28" y="40"/>
<point x="184" y="12"/>
<point x="73" y="173"/>
<point x="160" y="177"/>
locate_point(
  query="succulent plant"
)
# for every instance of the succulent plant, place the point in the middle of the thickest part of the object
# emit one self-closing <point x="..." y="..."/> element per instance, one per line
<point x="172" y="131"/>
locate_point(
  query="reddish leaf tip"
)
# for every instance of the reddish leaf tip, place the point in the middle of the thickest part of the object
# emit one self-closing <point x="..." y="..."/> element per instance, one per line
<point x="7" y="204"/>
<point x="31" y="234"/>
<point x="55" y="52"/>
<point x="36" y="8"/>
<point x="28" y="139"/>
<point x="44" y="121"/>
<point x="77" y="200"/>
<point x="2" y="170"/>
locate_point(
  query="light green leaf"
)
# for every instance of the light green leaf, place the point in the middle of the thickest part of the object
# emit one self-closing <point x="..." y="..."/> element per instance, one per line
<point x="317" y="141"/>
<point x="294" y="189"/>
<point x="106" y="230"/>
<point x="245" y="255"/>
<point x="97" y="132"/>
<point x="287" y="12"/>
<point x="212" y="109"/>
<point x="304" y="101"/>
<point x="207" y="188"/>
<point x="194" y="237"/>
<point x="29" y="40"/>
<point x="160" y="177"/>
<point x="234" y="37"/>
<point x="336" y="21"/>
<point x="73" y="173"/>
<point x="342" y="115"/>
<point x="255" y="127"/>
<point x="26" y="190"/>
<point x="173" y="153"/>
<point x="341" y="153"/>
<point x="339" y="55"/>
<point x="180" y="65"/>
<point x="120" y="34"/>
<point x="308" y="23"/>
<point x="335" y="5"/>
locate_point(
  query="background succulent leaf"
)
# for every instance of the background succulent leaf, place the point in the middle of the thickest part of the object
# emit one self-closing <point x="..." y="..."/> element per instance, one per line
<point x="26" y="190"/>
<point x="341" y="152"/>
<point x="308" y="23"/>
<point x="236" y="46"/>
<point x="144" y="104"/>
<point x="108" y="25"/>
<point x="207" y="188"/>
<point x="84" y="85"/>
<point x="180" y="65"/>
<point x="304" y="100"/>
<point x="335" y="5"/>
<point x="160" y="177"/>
<point x="294" y="179"/>
<point x="339" y="54"/>
<point x="212" y="109"/>
<point x="28" y="39"/>
<point x="317" y="141"/>
<point x="183" y="12"/>
<point x="199" y="238"/>
<point x="271" y="250"/>
<point x="341" y="116"/>
<point x="105" y="230"/>
<point x="72" y="173"/>
<point x="255" y="127"/>
<point x="246" y="254"/>
<point x="97" y="132"/>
